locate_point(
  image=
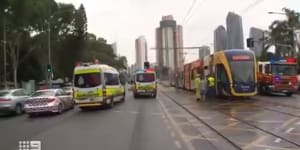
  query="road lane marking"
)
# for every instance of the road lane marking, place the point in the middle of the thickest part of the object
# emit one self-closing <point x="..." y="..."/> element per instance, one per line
<point x="178" y="145"/>
<point x="270" y="121"/>
<point x="134" y="112"/>
<point x="190" y="138"/>
<point x="277" y="140"/>
<point x="272" y="147"/>
<point x="289" y="122"/>
<point x="255" y="142"/>
<point x="176" y="128"/>
<point x="289" y="130"/>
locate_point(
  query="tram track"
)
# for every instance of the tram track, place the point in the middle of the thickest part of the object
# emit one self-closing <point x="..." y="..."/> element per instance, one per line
<point x="204" y="122"/>
<point x="264" y="105"/>
<point x="237" y="119"/>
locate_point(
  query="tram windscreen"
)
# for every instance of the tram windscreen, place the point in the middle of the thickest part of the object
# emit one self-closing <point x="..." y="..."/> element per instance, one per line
<point x="242" y="71"/>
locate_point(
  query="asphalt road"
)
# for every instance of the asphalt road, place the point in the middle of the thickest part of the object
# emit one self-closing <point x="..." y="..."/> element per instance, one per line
<point x="133" y="125"/>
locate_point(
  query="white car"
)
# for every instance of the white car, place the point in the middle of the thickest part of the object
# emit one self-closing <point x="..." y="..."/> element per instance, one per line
<point x="13" y="100"/>
<point x="49" y="100"/>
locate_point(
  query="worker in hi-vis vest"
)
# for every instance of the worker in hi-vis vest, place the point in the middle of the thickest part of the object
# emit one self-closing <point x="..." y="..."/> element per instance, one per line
<point x="197" y="87"/>
<point x="211" y="85"/>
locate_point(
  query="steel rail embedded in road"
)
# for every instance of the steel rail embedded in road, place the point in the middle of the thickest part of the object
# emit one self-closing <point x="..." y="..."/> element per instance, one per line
<point x="278" y="104"/>
<point x="202" y="121"/>
<point x="256" y="127"/>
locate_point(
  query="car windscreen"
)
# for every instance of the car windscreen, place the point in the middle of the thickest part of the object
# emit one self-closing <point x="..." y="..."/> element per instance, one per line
<point x="43" y="93"/>
<point x="4" y="93"/>
<point x="87" y="80"/>
<point x="284" y="69"/>
<point x="145" y="77"/>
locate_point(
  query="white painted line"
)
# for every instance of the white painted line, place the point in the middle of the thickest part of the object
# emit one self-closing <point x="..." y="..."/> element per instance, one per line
<point x="172" y="134"/>
<point x="270" y="121"/>
<point x="289" y="130"/>
<point x="117" y="111"/>
<point x="277" y="140"/>
<point x="204" y="118"/>
<point x="177" y="143"/>
<point x="134" y="112"/>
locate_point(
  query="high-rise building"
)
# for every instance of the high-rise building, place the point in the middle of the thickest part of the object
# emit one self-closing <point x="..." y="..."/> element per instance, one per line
<point x="220" y="38"/>
<point x="169" y="44"/>
<point x="235" y="36"/>
<point x="114" y="47"/>
<point x="140" y="51"/>
<point x="179" y="45"/>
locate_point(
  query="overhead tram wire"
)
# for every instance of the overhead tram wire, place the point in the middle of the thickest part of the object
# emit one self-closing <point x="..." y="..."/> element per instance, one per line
<point x="189" y="11"/>
<point x="193" y="13"/>
<point x="251" y="6"/>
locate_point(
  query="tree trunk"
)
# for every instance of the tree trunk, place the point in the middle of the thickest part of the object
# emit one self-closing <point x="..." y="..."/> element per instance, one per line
<point x="15" y="77"/>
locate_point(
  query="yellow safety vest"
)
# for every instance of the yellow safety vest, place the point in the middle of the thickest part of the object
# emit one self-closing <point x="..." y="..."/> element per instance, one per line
<point x="211" y="81"/>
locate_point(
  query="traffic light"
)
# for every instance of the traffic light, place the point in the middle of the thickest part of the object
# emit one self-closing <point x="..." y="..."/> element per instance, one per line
<point x="250" y="42"/>
<point x="146" y="65"/>
<point x="49" y="68"/>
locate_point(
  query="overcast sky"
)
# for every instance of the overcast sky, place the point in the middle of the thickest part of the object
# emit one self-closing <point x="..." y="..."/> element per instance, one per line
<point x="124" y="20"/>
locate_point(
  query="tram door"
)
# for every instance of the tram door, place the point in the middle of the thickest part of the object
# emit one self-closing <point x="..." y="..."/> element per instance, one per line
<point x="222" y="81"/>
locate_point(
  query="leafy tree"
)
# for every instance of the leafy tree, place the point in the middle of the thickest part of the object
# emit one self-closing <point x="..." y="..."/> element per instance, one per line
<point x="81" y="22"/>
<point x="27" y="36"/>
<point x="281" y="32"/>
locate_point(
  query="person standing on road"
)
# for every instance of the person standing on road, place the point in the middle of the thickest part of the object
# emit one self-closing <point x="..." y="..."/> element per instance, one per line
<point x="197" y="87"/>
<point x="211" y="85"/>
<point x="203" y="88"/>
